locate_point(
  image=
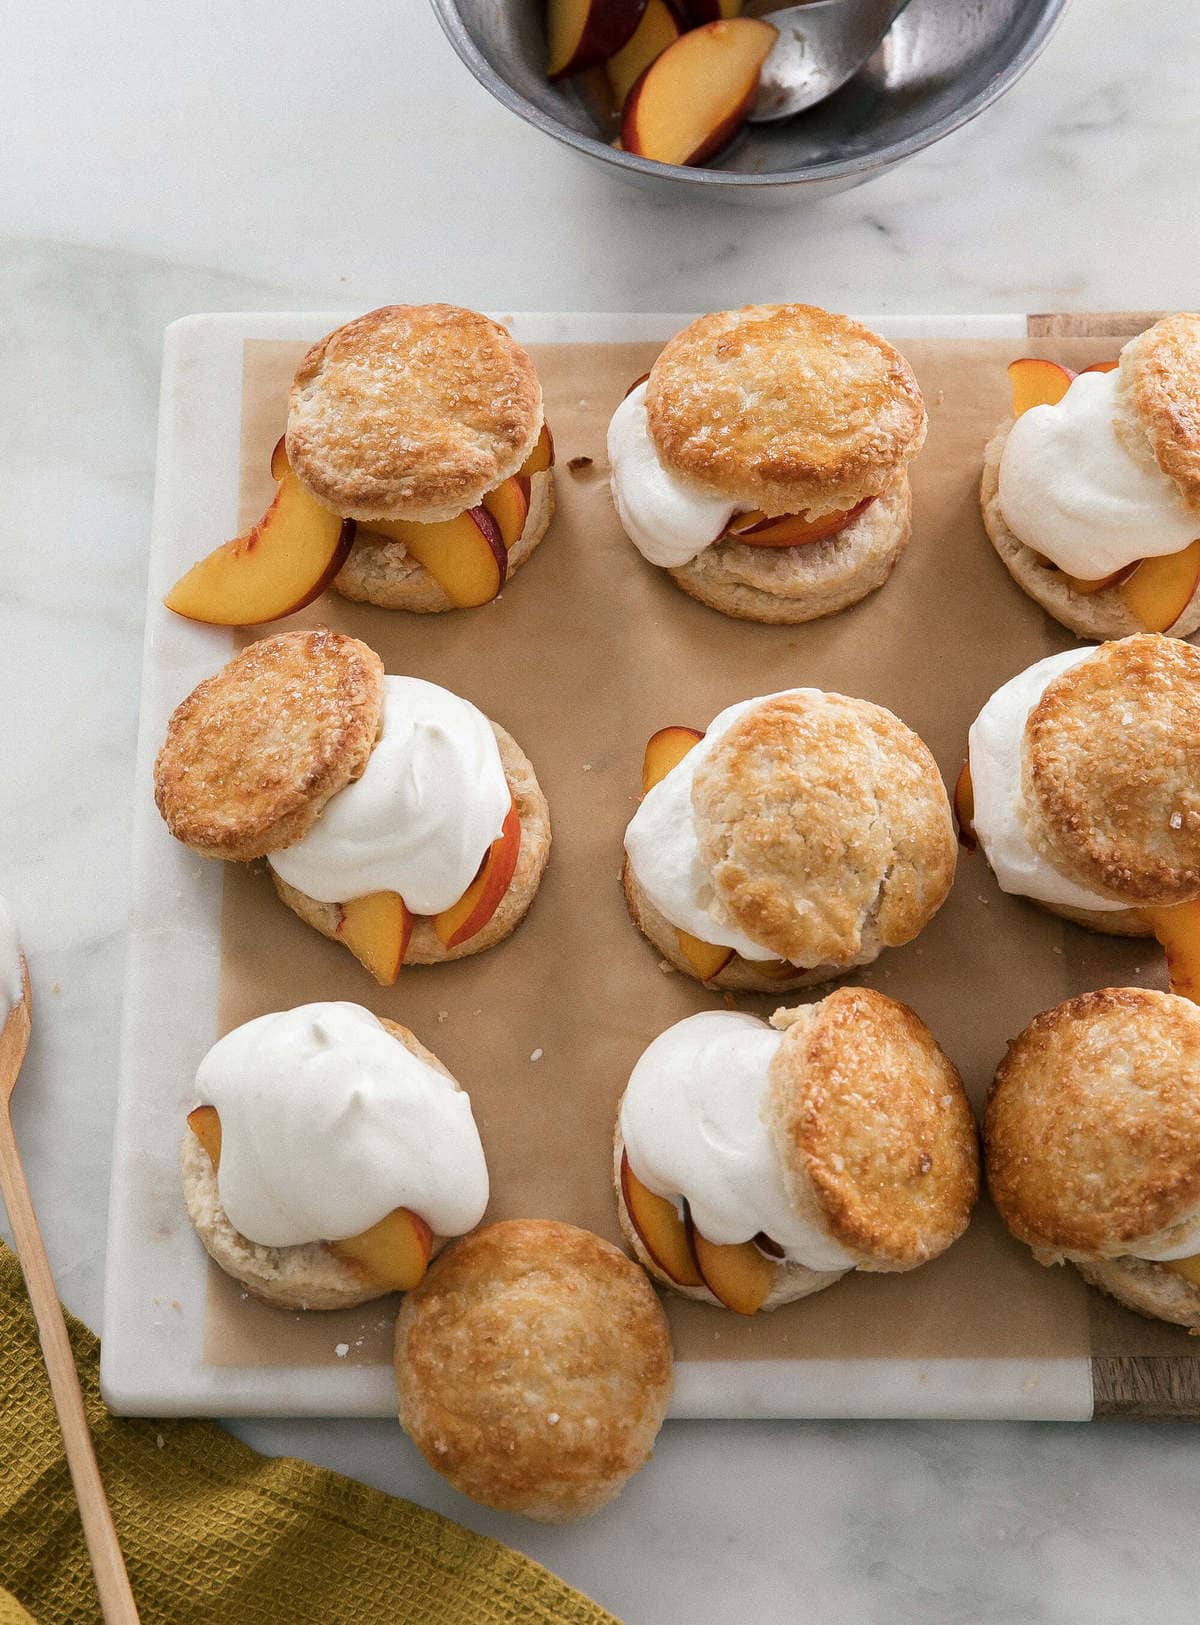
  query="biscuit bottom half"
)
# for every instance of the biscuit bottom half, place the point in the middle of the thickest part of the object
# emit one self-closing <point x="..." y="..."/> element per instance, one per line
<point x="788" y="585"/>
<point x="385" y="573"/>
<point x="739" y="975"/>
<point x="1147" y="1288"/>
<point x="425" y="946"/>
<point x="1100" y="615"/>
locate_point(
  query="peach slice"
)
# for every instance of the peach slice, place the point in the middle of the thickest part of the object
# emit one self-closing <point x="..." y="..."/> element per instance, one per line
<point x="205" y="1124"/>
<point x="482" y="897"/>
<point x="740" y="1276"/>
<point x="698" y="12"/>
<point x="791" y="529"/>
<point x="465" y="555"/>
<point x="1102" y="366"/>
<point x="1159" y="590"/>
<point x="1178" y="930"/>
<point x="1189" y="1268"/>
<point x="281" y="564"/>
<point x="693" y="98"/>
<point x="662" y="1232"/>
<point x="1086" y="588"/>
<point x="508" y="505"/>
<point x="665" y="750"/>
<point x="1037" y="383"/>
<point x="376" y="929"/>
<point x="658" y="28"/>
<point x="279" y="459"/>
<point x="393" y="1253"/>
<point x="964" y="808"/>
<point x="707" y="959"/>
<point x="584" y="32"/>
<point x="645" y="376"/>
<point x="541" y="457"/>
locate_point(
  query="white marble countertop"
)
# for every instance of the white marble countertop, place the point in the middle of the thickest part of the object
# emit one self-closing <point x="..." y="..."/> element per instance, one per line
<point x="161" y="159"/>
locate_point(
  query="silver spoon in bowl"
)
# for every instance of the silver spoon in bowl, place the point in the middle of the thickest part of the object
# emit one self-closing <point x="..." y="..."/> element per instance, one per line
<point x="820" y="46"/>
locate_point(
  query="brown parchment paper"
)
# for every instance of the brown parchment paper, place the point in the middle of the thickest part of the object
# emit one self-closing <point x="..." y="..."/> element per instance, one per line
<point x="587" y="652"/>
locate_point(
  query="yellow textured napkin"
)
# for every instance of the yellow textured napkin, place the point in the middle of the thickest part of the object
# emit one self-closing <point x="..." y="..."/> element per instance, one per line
<point x="214" y="1533"/>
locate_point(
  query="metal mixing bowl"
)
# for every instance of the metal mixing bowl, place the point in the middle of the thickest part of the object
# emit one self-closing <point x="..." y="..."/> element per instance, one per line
<point x="942" y="62"/>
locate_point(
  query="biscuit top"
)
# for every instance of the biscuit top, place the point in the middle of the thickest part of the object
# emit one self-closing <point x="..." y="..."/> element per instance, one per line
<point x="824" y="826"/>
<point x="785" y="408"/>
<point x="254" y="753"/>
<point x="1111" y="770"/>
<point x="412" y="412"/>
<point x="1160" y="383"/>
<point x="1092" y="1127"/>
<point x="872" y="1125"/>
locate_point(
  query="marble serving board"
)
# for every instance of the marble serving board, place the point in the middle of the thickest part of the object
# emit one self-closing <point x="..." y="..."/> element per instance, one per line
<point x="158" y="1355"/>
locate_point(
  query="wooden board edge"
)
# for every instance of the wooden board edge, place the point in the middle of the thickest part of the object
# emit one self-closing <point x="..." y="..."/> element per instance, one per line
<point x="1145" y="1387"/>
<point x="1096" y="324"/>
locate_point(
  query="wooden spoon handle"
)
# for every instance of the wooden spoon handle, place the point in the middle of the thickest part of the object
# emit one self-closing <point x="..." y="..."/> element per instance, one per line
<point x="112" y="1583"/>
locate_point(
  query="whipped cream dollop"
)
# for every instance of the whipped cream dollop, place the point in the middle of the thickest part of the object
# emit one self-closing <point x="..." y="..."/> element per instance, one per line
<point x="692" y="1123"/>
<point x="12" y="980"/>
<point x="664" y="851"/>
<point x="1071" y="491"/>
<point x="994" y="752"/>
<point x="1185" y="1245"/>
<point x="328" y="1123"/>
<point x="432" y="799"/>
<point x="669" y="520"/>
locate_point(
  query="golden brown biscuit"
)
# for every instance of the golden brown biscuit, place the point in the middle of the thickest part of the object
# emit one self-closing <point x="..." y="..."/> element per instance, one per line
<point x="1096" y="615"/>
<point x="1092" y="1139"/>
<point x="385" y="573"/>
<point x="789" y="585"/>
<point x="311" y="1276"/>
<point x="254" y="753"/>
<point x="425" y="946"/>
<point x="1111" y="771"/>
<point x="1160" y="384"/>
<point x="875" y="1131"/>
<point x="533" y="1367"/>
<point x="784" y="407"/>
<point x="825" y="828"/>
<point x="412" y="412"/>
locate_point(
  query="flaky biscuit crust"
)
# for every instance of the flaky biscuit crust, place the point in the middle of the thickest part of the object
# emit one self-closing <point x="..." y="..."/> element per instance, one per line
<point x="739" y="975"/>
<point x="1110" y="771"/>
<point x="412" y="412"/>
<point x="1117" y="922"/>
<point x="254" y="753"/>
<point x="533" y="1368"/>
<point x="792" y="1281"/>
<point x="873" y="1127"/>
<point x="1097" y="615"/>
<point x="424" y="946"/>
<point x="825" y="827"/>
<point x="383" y="572"/>
<point x="784" y="407"/>
<point x="311" y="1276"/>
<point x="785" y="586"/>
<point x="1092" y="1125"/>
<point x="1160" y="379"/>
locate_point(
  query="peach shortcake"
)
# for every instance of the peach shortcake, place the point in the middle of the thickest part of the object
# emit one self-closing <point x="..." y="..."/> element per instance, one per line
<point x="330" y="1157"/>
<point x="415" y="473"/>
<point x="757" y="1163"/>
<point x="763" y="461"/>
<point x="396" y="818"/>
<point x="797" y="838"/>
<point x="1082" y="787"/>
<point x="1091" y="490"/>
<point x="1092" y="1145"/>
